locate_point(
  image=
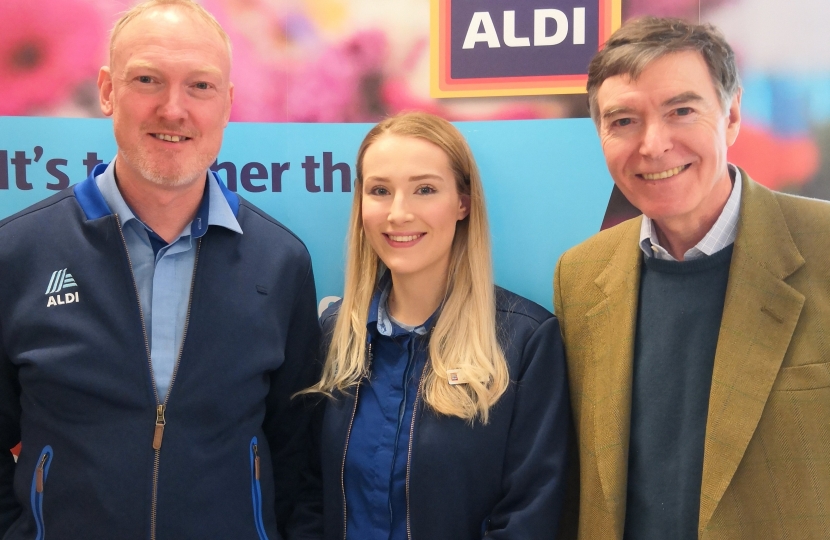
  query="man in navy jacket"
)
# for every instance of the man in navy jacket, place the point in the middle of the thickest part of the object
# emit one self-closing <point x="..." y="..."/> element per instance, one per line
<point x="153" y="325"/>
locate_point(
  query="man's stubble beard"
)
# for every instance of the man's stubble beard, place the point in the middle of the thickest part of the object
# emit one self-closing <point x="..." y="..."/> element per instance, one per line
<point x="167" y="172"/>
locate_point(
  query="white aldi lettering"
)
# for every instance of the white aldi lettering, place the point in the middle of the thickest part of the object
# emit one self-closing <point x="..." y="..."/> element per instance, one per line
<point x="482" y="29"/>
<point x="60" y="300"/>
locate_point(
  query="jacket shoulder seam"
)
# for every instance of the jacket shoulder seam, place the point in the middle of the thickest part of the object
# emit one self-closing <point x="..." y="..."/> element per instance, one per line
<point x="31" y="210"/>
<point x="269" y="219"/>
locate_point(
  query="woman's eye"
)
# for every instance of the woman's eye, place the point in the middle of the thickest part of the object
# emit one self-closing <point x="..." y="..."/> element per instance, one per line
<point x="425" y="190"/>
<point x="379" y="191"/>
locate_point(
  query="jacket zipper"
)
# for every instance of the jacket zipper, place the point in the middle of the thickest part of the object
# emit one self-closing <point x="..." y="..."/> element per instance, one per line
<point x="161" y="407"/>
<point x="409" y="452"/>
<point x="41" y="471"/>
<point x="256" y="491"/>
<point x="346" y="446"/>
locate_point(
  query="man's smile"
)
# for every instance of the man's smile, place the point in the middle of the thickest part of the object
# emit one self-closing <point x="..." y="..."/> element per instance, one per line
<point x="170" y="138"/>
<point x="665" y="174"/>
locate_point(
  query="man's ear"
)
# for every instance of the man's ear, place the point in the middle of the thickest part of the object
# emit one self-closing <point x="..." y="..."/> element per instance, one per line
<point x="734" y="118"/>
<point x="105" y="90"/>
<point x="230" y="104"/>
<point x="464" y="207"/>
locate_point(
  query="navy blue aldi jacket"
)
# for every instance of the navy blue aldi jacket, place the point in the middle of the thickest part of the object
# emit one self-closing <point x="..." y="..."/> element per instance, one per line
<point x="76" y="384"/>
<point x="503" y="480"/>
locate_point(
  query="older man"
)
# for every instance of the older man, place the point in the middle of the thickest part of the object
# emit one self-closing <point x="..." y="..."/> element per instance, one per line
<point x="696" y="335"/>
<point x="151" y="383"/>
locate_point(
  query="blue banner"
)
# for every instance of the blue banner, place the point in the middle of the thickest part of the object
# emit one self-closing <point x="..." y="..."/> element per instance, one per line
<point x="545" y="181"/>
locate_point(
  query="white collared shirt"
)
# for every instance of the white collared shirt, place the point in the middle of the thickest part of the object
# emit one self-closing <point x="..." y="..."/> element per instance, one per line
<point x="722" y="233"/>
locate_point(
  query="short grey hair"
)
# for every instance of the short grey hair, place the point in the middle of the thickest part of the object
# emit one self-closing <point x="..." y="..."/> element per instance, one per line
<point x="187" y="5"/>
<point x="641" y="41"/>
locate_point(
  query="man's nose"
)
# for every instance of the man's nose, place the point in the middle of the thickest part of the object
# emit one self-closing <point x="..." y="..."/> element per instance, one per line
<point x="656" y="140"/>
<point x="173" y="106"/>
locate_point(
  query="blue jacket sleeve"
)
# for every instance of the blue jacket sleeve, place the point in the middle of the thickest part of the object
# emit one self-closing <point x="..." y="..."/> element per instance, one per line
<point x="287" y="425"/>
<point x="9" y="437"/>
<point x="537" y="450"/>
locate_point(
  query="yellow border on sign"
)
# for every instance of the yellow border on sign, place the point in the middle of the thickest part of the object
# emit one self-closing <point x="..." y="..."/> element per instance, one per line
<point x="434" y="48"/>
<point x="492" y="89"/>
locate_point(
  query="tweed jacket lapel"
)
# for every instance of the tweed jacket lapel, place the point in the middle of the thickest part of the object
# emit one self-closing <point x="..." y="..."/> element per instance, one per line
<point x="612" y="325"/>
<point x="760" y="314"/>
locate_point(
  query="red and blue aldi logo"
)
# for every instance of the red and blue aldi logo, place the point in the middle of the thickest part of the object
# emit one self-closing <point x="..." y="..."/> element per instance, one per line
<point x="516" y="47"/>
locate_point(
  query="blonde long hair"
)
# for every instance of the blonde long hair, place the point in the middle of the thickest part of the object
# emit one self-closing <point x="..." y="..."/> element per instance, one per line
<point x="464" y="336"/>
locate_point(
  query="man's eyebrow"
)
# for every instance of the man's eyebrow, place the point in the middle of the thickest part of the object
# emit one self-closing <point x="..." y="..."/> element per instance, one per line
<point x="139" y="64"/>
<point x="144" y="65"/>
<point x="617" y="110"/>
<point x="685" y="97"/>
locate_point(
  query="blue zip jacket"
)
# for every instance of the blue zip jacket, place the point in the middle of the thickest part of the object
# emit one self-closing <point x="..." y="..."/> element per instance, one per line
<point x="504" y="480"/>
<point x="76" y="383"/>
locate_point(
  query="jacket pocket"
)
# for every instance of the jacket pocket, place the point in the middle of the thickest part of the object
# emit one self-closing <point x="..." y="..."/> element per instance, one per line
<point x="805" y="377"/>
<point x="256" y="493"/>
<point x="38" y="484"/>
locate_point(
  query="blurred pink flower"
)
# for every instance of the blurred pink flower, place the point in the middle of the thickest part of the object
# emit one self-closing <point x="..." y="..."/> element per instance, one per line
<point x="398" y="98"/>
<point x="340" y="86"/>
<point x="47" y="47"/>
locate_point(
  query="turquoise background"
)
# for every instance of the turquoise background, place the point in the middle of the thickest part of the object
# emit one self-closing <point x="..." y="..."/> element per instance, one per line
<point x="545" y="181"/>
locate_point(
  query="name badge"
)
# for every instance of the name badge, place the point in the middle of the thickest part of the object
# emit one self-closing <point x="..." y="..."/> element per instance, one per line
<point x="455" y="376"/>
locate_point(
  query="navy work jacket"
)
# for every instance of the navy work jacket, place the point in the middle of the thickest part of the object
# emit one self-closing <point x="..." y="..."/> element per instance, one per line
<point x="76" y="382"/>
<point x="504" y="479"/>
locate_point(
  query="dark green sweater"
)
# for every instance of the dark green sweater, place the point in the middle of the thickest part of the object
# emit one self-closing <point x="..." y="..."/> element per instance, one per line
<point x="678" y="319"/>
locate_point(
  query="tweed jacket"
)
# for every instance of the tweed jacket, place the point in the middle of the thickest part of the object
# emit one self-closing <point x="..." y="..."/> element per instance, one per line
<point x="766" y="463"/>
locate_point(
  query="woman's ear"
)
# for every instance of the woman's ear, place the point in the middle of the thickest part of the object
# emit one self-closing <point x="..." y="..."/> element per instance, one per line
<point x="463" y="207"/>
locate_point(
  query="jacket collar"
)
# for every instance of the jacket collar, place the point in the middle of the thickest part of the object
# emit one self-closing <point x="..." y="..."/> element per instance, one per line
<point x="760" y="314"/>
<point x="94" y="205"/>
<point x="612" y="325"/>
<point x="379" y="319"/>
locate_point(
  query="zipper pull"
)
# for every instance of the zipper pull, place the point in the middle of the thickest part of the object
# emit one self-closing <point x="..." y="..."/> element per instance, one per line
<point x="39" y="473"/>
<point x="159" y="433"/>
<point x="256" y="463"/>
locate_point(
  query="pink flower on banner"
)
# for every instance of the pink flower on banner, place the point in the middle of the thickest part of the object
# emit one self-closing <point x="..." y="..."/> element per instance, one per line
<point x="398" y="97"/>
<point x="47" y="47"/>
<point x="341" y="85"/>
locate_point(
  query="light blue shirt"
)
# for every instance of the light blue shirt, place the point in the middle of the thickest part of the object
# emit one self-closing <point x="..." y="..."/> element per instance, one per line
<point x="164" y="279"/>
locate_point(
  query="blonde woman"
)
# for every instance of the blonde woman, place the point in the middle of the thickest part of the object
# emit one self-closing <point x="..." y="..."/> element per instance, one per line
<point x="448" y="408"/>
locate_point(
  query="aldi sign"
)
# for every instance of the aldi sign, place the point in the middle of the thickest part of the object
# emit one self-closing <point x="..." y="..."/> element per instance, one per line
<point x="516" y="47"/>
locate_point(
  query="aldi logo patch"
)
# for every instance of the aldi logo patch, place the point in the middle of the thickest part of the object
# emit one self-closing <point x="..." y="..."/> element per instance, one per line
<point x="60" y="281"/>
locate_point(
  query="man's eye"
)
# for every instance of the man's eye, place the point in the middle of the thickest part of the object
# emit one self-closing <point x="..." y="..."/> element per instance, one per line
<point x="144" y="79"/>
<point x="202" y="85"/>
<point x="683" y="111"/>
<point x="622" y="122"/>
